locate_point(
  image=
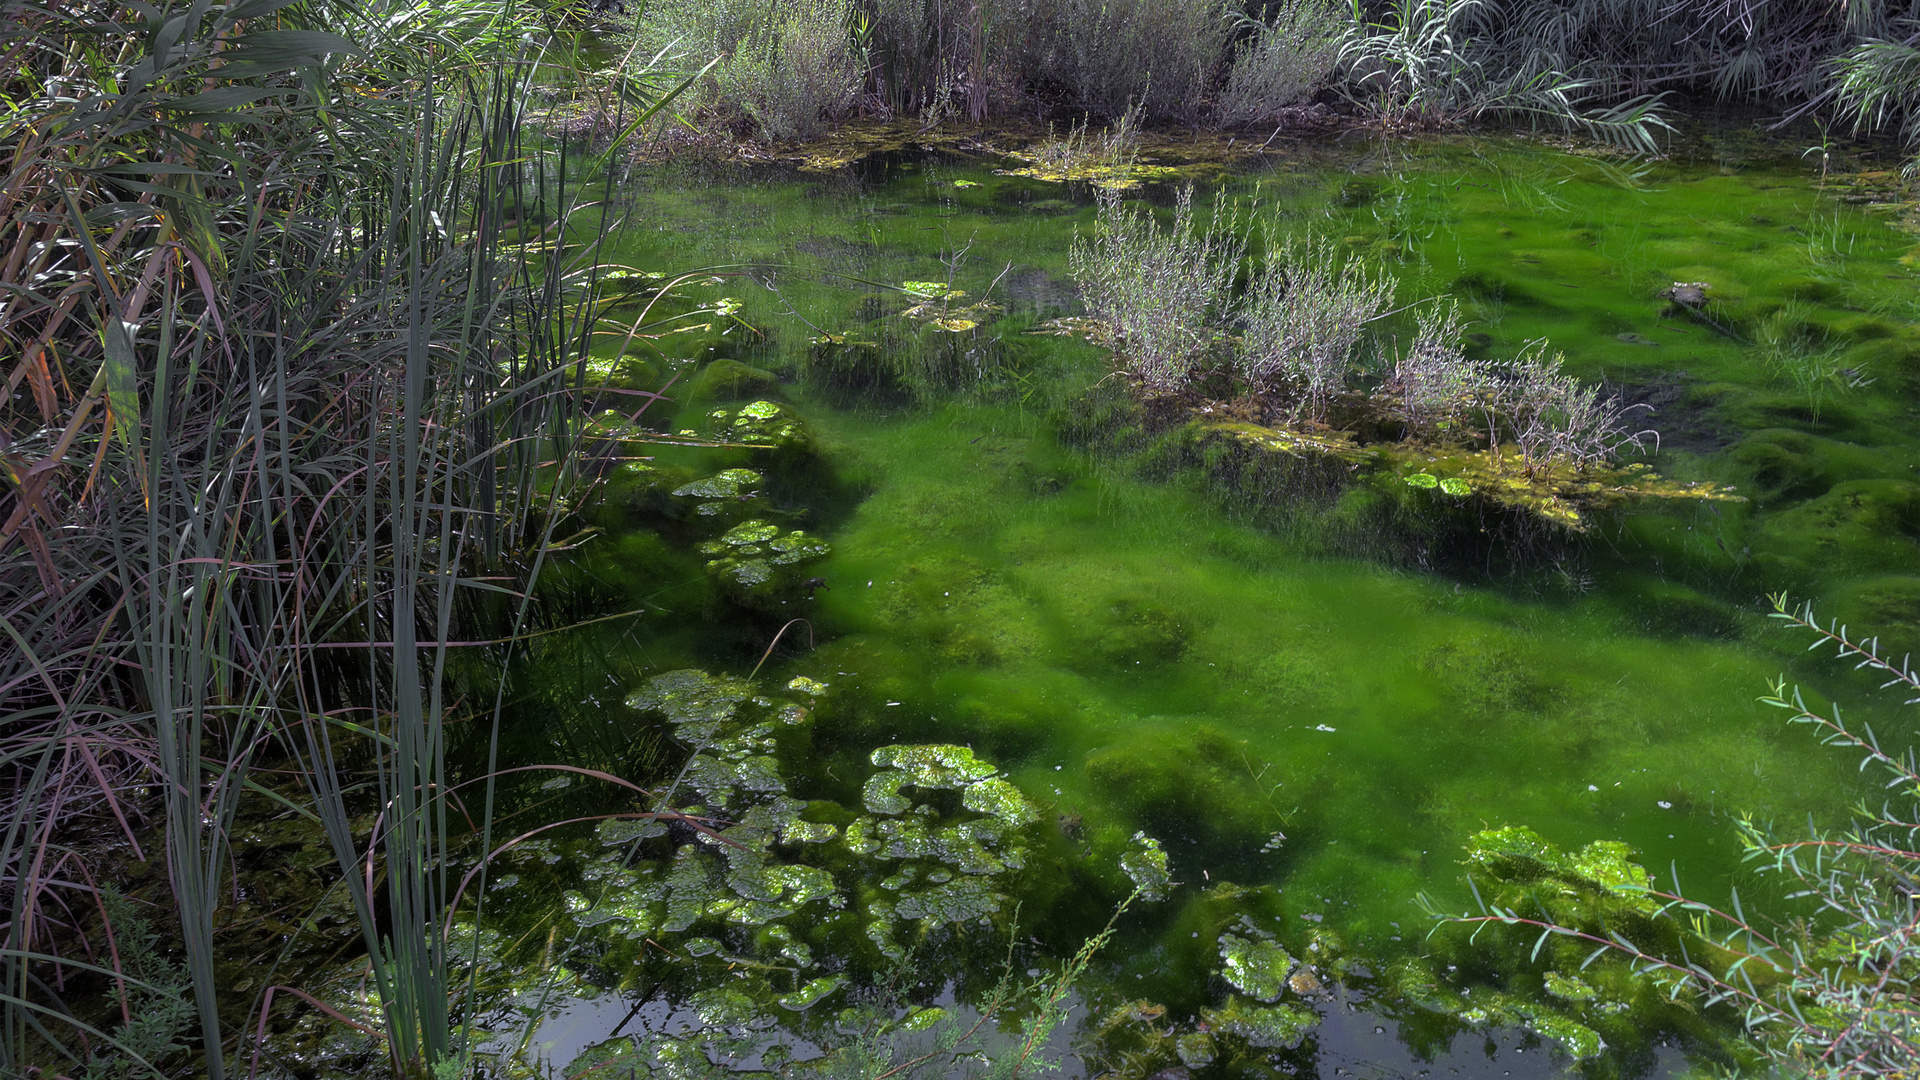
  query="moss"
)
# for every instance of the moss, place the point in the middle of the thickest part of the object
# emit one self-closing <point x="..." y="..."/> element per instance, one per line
<point x="1133" y="633"/>
<point x="1667" y="608"/>
<point x="1886" y="606"/>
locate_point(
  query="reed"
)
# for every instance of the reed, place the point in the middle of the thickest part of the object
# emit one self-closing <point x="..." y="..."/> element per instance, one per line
<point x="302" y="402"/>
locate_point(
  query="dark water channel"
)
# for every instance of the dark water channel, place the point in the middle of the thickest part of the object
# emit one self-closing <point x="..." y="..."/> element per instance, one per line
<point x="1310" y="720"/>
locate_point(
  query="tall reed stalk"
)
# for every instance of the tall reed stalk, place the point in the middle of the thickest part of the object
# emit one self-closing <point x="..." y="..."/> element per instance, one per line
<point x="330" y="415"/>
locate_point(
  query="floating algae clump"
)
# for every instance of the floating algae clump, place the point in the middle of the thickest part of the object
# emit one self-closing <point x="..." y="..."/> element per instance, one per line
<point x="1146" y="864"/>
<point x="766" y="861"/>
<point x="727" y="484"/>
<point x="1518" y="854"/>
<point x="934" y="765"/>
<point x="752" y="557"/>
<point x="759" y="424"/>
<point x="1567" y="988"/>
<point x="1265" y="1027"/>
<point x="1256" y="967"/>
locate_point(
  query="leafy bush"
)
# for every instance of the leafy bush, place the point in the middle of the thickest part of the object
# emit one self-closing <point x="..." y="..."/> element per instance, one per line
<point x="1282" y="60"/>
<point x="1104" y="56"/>
<point x="786" y="69"/>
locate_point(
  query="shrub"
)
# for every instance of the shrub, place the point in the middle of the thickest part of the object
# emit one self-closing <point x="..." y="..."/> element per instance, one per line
<point x="1304" y="316"/>
<point x="1433" y="379"/>
<point x="789" y="67"/>
<point x="1158" y="292"/>
<point x="1105" y="56"/>
<point x="1282" y="61"/>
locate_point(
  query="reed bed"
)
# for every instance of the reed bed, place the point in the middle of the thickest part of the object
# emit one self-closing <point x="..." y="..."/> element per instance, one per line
<point x="296" y="308"/>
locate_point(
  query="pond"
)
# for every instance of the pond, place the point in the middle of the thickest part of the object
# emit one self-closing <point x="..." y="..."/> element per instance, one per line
<point x="1308" y="695"/>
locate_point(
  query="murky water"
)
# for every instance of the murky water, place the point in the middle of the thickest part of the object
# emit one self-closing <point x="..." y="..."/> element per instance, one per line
<point x="1311" y="721"/>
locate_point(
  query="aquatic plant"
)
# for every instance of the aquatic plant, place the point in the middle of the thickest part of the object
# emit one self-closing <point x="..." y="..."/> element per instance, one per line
<point x="1824" y="982"/>
<point x="1878" y="81"/>
<point x="1158" y="293"/>
<point x="1439" y="62"/>
<point x="1792" y="349"/>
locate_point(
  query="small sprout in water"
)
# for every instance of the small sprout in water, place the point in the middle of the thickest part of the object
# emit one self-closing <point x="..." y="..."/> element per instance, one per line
<point x="807" y="686"/>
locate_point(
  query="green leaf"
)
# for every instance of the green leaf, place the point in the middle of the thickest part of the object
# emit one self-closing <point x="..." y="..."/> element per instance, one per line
<point x="270" y="51"/>
<point x="123" y="384"/>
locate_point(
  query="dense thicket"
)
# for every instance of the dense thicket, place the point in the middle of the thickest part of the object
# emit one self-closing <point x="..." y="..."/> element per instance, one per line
<point x="789" y="67"/>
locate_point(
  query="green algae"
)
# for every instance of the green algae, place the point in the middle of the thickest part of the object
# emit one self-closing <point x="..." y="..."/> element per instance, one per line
<point x="1146" y="866"/>
<point x="1257" y="968"/>
<point x="1264" y="1027"/>
<point x="1140" y="659"/>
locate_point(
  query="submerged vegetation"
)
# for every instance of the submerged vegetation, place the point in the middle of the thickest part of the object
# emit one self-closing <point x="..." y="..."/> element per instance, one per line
<point x="1828" y="992"/>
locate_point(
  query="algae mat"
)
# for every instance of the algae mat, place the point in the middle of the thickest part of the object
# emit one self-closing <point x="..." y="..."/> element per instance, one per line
<point x="1102" y="646"/>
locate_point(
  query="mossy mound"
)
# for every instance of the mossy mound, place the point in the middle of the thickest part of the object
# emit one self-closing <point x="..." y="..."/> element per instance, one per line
<point x="1888" y="607"/>
<point x="724" y="379"/>
<point x="1775" y="465"/>
<point x="1862" y="525"/>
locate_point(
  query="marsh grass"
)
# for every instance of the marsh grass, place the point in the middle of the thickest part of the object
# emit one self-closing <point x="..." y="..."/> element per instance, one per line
<point x="299" y="416"/>
<point x="1793" y="351"/>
